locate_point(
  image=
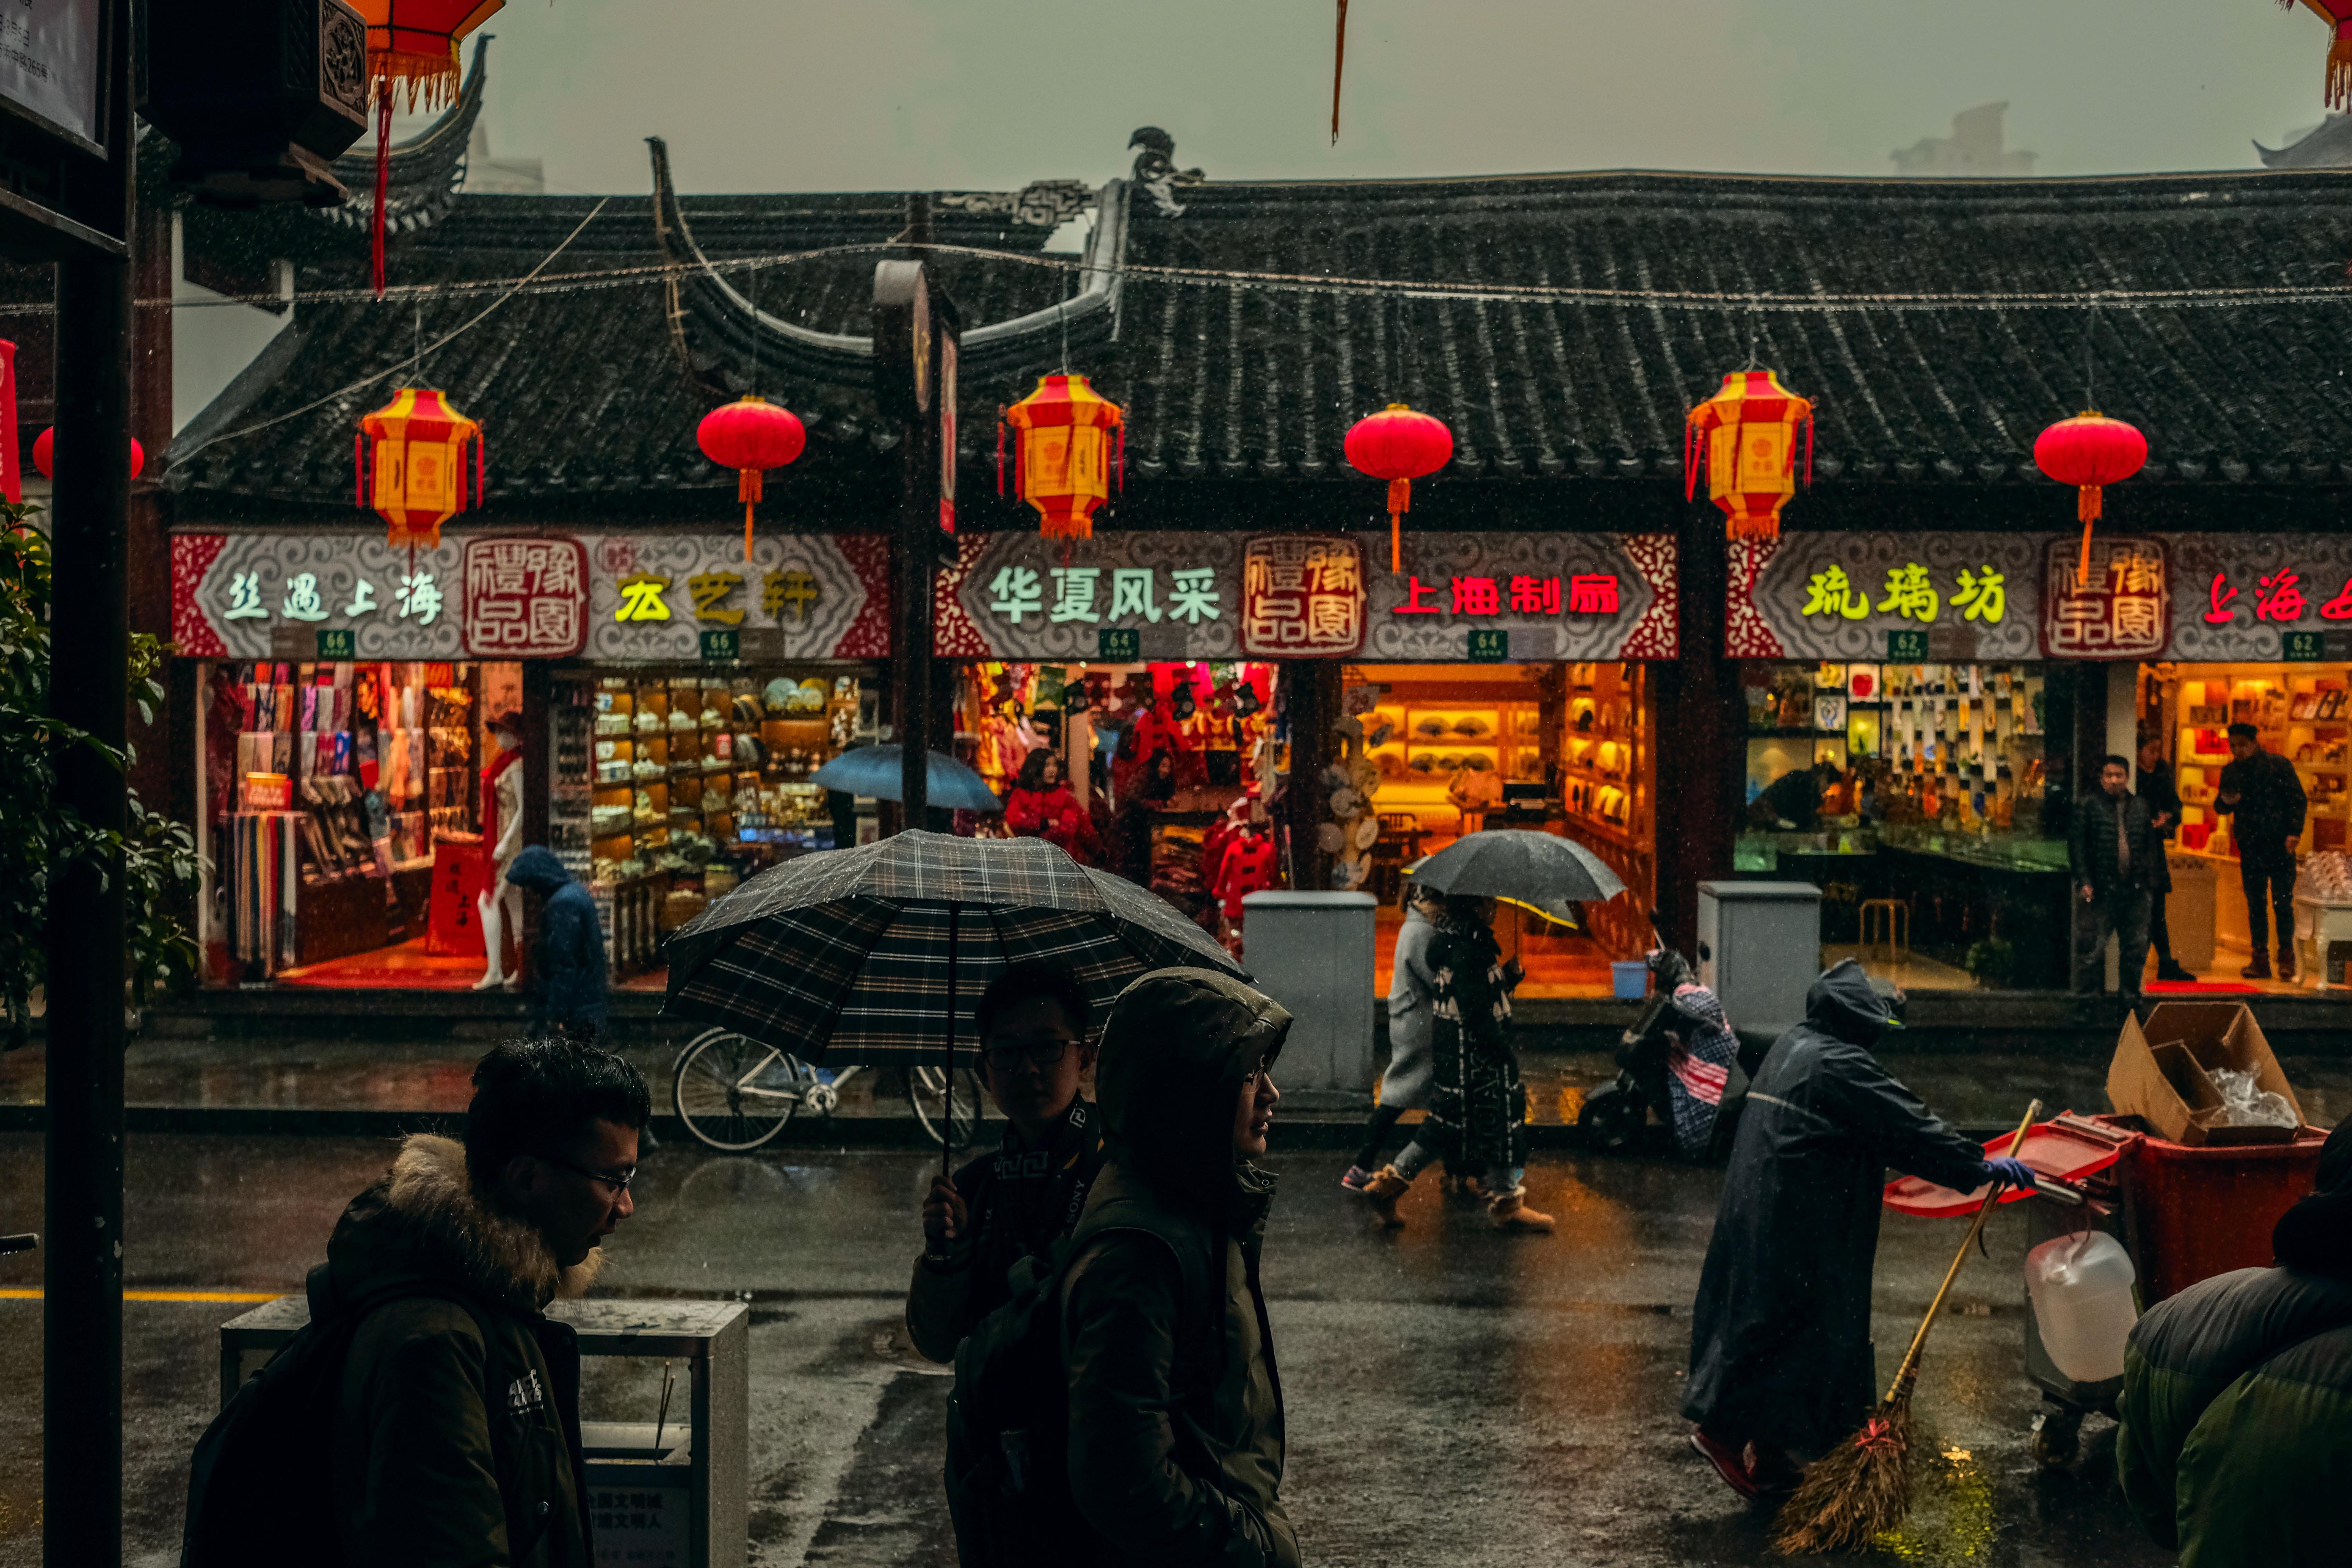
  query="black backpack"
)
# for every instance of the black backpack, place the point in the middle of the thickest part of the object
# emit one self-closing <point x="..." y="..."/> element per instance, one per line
<point x="1008" y="1480"/>
<point x="261" y="1480"/>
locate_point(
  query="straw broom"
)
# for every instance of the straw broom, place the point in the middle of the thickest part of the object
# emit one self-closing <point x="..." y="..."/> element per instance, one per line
<point x="1862" y="1487"/>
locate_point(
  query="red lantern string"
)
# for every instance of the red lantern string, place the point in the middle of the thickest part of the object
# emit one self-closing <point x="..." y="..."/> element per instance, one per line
<point x="1000" y="449"/>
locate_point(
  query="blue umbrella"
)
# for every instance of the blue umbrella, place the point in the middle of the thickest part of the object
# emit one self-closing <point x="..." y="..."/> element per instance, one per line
<point x="874" y="771"/>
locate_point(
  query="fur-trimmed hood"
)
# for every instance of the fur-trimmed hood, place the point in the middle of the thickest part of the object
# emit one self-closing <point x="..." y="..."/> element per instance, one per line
<point x="425" y="1220"/>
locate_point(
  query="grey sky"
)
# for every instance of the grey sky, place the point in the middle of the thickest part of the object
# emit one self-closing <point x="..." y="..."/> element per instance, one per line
<point x="944" y="94"/>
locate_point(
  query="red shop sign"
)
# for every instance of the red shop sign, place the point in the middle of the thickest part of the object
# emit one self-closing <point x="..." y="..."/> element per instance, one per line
<point x="526" y="598"/>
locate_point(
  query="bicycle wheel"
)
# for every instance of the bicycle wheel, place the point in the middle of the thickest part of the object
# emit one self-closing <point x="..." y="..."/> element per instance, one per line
<point x="927" y="1097"/>
<point x="733" y="1094"/>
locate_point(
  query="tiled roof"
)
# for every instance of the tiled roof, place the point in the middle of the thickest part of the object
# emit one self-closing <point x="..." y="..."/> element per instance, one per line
<point x="596" y="393"/>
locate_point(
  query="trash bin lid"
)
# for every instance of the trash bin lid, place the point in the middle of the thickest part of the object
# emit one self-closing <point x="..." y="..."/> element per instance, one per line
<point x="2051" y="1148"/>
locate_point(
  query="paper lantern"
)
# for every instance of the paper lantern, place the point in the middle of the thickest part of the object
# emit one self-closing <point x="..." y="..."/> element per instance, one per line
<point x="412" y="44"/>
<point x="1399" y="445"/>
<point x="1067" y="439"/>
<point x="2088" y="451"/>
<point x="2337" y="15"/>
<point x="750" y="436"/>
<point x="412" y="465"/>
<point x="1748" y="434"/>
<point x="41" y="447"/>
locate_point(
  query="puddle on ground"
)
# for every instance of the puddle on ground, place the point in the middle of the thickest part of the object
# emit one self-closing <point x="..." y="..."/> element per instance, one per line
<point x="1951" y="1515"/>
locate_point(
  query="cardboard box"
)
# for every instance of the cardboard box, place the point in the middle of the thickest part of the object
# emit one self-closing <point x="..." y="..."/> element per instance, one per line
<point x="2159" y="1073"/>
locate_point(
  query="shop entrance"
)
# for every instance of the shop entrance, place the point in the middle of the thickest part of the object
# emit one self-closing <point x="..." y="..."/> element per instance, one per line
<point x="1565" y="749"/>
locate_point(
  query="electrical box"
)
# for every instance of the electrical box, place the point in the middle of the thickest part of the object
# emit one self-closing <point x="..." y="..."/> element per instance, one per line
<point x="667" y="1487"/>
<point x="1759" y="949"/>
<point x="1313" y="953"/>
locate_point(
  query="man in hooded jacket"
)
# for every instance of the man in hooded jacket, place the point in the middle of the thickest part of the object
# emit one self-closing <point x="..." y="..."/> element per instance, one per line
<point x="1175" y="1407"/>
<point x="569" y="961"/>
<point x="1780" y="1355"/>
<point x="2234" y="1435"/>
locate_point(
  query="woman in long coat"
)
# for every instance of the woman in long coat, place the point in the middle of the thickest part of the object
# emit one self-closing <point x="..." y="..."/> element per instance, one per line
<point x="1477" y="1106"/>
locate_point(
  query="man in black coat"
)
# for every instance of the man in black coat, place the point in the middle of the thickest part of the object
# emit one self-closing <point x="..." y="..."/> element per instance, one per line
<point x="2118" y="859"/>
<point x="2265" y="798"/>
<point x="2157" y="785"/>
<point x="569" y="960"/>
<point x="1781" y="1364"/>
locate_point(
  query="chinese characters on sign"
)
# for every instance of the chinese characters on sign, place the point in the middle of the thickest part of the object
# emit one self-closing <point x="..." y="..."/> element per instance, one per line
<point x="1589" y="594"/>
<point x="1980" y="594"/>
<point x="417" y="595"/>
<point x="526" y="598"/>
<point x="2123" y="609"/>
<point x="1193" y="596"/>
<point x="1302" y="594"/>
<point x="2277" y="598"/>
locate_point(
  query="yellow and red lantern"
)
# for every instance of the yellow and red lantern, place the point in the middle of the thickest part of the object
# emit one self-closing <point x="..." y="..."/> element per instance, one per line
<point x="2088" y="451"/>
<point x="2337" y="15"/>
<point x="411" y="457"/>
<point x="1748" y="434"/>
<point x="750" y="436"/>
<point x="1068" y="440"/>
<point x="1399" y="445"/>
<point x="412" y="44"/>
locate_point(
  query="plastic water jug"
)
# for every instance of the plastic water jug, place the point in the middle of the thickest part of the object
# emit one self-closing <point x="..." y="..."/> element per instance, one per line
<point x="2080" y="1287"/>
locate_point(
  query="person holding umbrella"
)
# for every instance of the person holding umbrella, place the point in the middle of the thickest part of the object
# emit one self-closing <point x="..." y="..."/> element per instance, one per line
<point x="1477" y="1106"/>
<point x="1019" y="1200"/>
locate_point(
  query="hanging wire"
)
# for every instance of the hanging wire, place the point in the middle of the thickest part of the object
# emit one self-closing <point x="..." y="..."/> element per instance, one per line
<point x="755" y="332"/>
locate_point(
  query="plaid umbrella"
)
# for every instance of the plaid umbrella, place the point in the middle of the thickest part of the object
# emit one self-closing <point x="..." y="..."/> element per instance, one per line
<point x="880" y="952"/>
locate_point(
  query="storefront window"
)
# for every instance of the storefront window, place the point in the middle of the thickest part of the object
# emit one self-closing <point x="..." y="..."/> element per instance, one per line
<point x="1912" y="795"/>
<point x="326" y="788"/>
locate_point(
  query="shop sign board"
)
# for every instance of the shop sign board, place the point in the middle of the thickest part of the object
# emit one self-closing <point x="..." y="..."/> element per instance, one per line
<point x="722" y="647"/>
<point x="1118" y="645"/>
<point x="1490" y="645"/>
<point x="2302" y="647"/>
<point x="601" y="595"/>
<point x="2191" y="597"/>
<point x="50" y="59"/>
<point x="1217" y="595"/>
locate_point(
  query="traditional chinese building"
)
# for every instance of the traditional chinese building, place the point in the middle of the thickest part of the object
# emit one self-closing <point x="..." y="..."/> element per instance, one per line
<point x="1570" y="644"/>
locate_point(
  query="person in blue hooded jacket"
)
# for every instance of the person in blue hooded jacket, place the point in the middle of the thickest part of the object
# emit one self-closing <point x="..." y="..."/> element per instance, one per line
<point x="569" y="960"/>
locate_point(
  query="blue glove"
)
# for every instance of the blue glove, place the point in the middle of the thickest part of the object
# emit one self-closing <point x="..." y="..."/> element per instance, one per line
<point x="2008" y="1172"/>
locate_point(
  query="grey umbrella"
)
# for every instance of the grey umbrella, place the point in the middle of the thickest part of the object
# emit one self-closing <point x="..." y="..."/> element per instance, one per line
<point x="1541" y="871"/>
<point x="881" y="951"/>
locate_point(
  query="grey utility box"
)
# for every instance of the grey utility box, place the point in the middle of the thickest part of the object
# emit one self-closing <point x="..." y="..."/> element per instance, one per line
<point x="1760" y="949"/>
<point x="1313" y="953"/>
<point x="667" y="1493"/>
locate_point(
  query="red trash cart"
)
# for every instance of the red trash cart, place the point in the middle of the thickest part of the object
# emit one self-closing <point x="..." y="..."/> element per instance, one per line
<point x="2184" y="1213"/>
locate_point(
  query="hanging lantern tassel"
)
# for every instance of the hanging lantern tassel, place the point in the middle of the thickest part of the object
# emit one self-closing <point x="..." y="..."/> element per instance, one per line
<point x="1339" y="59"/>
<point x="1399" y="503"/>
<point x="747" y="490"/>
<point x="2086" y="507"/>
<point x="382" y="176"/>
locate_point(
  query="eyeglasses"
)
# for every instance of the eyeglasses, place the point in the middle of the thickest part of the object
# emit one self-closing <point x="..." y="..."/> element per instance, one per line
<point x="1045" y="1053"/>
<point x="619" y="1183"/>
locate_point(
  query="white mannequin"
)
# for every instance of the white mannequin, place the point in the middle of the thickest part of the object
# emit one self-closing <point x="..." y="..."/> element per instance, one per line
<point x="500" y="903"/>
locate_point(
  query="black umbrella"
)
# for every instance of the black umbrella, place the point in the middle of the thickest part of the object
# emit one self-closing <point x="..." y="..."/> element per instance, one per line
<point x="865" y="950"/>
<point x="876" y="771"/>
<point x="1538" y="871"/>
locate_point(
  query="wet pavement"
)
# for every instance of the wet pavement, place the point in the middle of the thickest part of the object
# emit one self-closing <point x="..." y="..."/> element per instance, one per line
<point x="1454" y="1397"/>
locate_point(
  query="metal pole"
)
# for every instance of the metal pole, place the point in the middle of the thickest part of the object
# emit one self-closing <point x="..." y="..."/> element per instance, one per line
<point x="946" y="1116"/>
<point x="82" y="1319"/>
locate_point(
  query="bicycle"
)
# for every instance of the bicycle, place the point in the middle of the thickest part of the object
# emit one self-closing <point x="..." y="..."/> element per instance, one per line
<point x="735" y="1094"/>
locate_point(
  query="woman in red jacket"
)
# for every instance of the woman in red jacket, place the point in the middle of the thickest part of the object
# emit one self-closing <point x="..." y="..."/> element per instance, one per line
<point x="1042" y="807"/>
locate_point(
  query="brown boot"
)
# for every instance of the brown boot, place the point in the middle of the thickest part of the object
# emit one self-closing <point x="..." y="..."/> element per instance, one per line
<point x="2286" y="963"/>
<point x="1383" y="1192"/>
<point x="1509" y="1211"/>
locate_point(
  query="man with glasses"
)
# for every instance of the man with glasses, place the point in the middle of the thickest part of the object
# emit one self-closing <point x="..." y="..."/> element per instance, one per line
<point x="1019" y="1200"/>
<point x="456" y="1431"/>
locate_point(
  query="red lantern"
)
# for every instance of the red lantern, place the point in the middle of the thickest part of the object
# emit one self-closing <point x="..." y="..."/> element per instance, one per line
<point x="2337" y="15"/>
<point x="1068" y="438"/>
<point x="1399" y="445"/>
<point x="2088" y="451"/>
<point x="416" y="481"/>
<point x="750" y="436"/>
<point x="41" y="453"/>
<point x="411" y="43"/>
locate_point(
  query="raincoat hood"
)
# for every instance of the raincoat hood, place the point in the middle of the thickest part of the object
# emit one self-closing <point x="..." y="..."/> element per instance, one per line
<point x="1174" y="1051"/>
<point x="1844" y="1006"/>
<point x="2315" y="1235"/>
<point x="538" y="869"/>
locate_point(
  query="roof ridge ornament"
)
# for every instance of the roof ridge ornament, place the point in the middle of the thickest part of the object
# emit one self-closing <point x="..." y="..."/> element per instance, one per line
<point x="1156" y="170"/>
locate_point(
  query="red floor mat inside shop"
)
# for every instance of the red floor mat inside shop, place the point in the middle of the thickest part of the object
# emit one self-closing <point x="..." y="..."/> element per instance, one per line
<point x="407" y="966"/>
